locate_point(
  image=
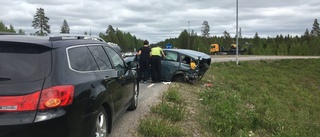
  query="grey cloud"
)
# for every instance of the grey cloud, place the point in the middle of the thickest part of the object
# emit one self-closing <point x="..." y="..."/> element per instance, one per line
<point x="157" y="20"/>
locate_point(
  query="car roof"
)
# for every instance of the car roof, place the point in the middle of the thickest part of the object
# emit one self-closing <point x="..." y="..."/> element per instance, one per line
<point x="62" y="40"/>
<point x="26" y="39"/>
<point x="192" y="53"/>
<point x="51" y="41"/>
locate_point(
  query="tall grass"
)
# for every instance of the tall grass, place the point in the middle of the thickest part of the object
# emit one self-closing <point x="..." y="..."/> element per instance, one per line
<point x="166" y="113"/>
<point x="263" y="98"/>
<point x="174" y="112"/>
<point x="156" y="127"/>
<point x="173" y="96"/>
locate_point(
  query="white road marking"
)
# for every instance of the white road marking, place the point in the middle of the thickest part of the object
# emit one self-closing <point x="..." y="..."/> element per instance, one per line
<point x="150" y="85"/>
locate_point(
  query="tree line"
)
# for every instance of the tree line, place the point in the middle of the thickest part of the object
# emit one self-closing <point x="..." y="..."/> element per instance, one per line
<point x="40" y="23"/>
<point x="306" y="44"/>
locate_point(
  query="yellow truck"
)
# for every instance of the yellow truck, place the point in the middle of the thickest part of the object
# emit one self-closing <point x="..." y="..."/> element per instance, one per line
<point x="216" y="49"/>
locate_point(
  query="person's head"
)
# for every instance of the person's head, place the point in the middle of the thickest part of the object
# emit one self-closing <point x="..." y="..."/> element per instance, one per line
<point x="146" y="42"/>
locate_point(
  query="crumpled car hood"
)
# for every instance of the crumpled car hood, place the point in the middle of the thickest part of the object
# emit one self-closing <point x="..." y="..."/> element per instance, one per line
<point x="204" y="65"/>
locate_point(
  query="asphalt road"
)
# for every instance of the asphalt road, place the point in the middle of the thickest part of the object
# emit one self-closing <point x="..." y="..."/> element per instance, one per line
<point x="150" y="94"/>
<point x="227" y="58"/>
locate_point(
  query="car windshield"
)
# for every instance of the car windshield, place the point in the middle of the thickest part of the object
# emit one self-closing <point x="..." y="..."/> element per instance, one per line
<point x="23" y="63"/>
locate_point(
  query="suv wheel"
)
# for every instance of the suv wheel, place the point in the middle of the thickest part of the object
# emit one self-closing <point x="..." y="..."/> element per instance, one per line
<point x="101" y="123"/>
<point x="134" y="99"/>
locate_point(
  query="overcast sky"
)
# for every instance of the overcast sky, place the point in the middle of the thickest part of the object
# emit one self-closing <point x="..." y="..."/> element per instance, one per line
<point x="157" y="20"/>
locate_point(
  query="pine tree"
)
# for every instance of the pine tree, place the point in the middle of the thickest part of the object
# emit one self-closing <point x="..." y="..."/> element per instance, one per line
<point x="315" y="28"/>
<point x="205" y="29"/>
<point x="40" y="21"/>
<point x="20" y="31"/>
<point x="122" y="42"/>
<point x="11" y="29"/>
<point x="226" y="35"/>
<point x="65" y="27"/>
<point x="3" y="27"/>
<point x="257" y="45"/>
<point x="227" y="40"/>
<point x="183" y="40"/>
<point x="110" y="30"/>
<point x="306" y="33"/>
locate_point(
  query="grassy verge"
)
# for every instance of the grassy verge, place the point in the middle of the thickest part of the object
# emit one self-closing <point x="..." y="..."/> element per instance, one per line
<point x="165" y="117"/>
<point x="260" y="98"/>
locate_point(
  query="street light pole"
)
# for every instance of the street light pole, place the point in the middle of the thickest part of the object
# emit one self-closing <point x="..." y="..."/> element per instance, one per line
<point x="188" y="34"/>
<point x="237" y="43"/>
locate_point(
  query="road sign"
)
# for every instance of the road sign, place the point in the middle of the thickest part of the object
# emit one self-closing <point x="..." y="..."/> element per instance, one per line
<point x="169" y="46"/>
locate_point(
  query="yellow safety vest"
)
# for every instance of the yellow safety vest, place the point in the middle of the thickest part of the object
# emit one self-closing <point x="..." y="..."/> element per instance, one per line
<point x="156" y="51"/>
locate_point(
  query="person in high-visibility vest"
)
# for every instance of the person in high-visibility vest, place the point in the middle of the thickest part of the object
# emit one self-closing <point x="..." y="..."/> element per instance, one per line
<point x="156" y="53"/>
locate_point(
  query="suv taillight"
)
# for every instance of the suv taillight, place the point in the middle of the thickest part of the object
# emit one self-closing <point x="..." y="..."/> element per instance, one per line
<point x="52" y="97"/>
<point x="56" y="96"/>
<point x="19" y="103"/>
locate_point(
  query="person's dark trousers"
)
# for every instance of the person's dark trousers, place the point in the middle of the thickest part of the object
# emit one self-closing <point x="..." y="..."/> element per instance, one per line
<point x="156" y="68"/>
<point x="143" y="71"/>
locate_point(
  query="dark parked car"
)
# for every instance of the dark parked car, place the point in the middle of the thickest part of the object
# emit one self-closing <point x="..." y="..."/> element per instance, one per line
<point x="62" y="86"/>
<point x="182" y="65"/>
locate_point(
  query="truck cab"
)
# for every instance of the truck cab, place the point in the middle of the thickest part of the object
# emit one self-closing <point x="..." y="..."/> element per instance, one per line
<point x="214" y="49"/>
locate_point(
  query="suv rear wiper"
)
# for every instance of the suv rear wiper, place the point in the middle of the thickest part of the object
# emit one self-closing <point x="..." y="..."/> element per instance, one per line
<point x="4" y="79"/>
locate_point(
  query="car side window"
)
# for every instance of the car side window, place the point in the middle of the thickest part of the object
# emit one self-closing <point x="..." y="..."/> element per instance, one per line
<point x="185" y="59"/>
<point x="171" y="56"/>
<point x="116" y="59"/>
<point x="81" y="59"/>
<point x="101" y="57"/>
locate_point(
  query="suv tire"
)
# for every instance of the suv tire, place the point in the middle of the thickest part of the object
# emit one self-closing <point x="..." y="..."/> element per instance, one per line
<point x="101" y="129"/>
<point x="134" y="99"/>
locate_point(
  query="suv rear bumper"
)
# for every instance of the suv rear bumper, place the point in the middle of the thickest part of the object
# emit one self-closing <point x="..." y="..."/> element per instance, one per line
<point x="50" y="128"/>
<point x="63" y="126"/>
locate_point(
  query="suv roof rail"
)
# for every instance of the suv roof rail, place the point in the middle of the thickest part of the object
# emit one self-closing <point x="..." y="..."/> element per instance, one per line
<point x="72" y="36"/>
<point x="112" y="44"/>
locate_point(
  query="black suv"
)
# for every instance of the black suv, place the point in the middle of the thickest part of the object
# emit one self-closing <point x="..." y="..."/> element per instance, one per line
<point x="63" y="86"/>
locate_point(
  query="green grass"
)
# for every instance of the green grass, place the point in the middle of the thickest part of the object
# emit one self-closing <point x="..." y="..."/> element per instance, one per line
<point x="174" y="112"/>
<point x="171" y="106"/>
<point x="165" y="114"/>
<point x="155" y="127"/>
<point x="268" y="98"/>
<point x="173" y="96"/>
<point x="257" y="98"/>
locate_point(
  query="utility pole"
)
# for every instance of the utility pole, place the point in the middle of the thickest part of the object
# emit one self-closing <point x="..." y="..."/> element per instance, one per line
<point x="188" y="34"/>
<point x="237" y="35"/>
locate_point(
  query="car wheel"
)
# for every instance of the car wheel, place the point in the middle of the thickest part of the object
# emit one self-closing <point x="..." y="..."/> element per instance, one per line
<point x="179" y="78"/>
<point x="101" y="123"/>
<point x="134" y="99"/>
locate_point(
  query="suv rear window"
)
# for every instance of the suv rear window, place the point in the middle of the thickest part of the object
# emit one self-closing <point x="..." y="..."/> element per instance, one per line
<point x="23" y="62"/>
